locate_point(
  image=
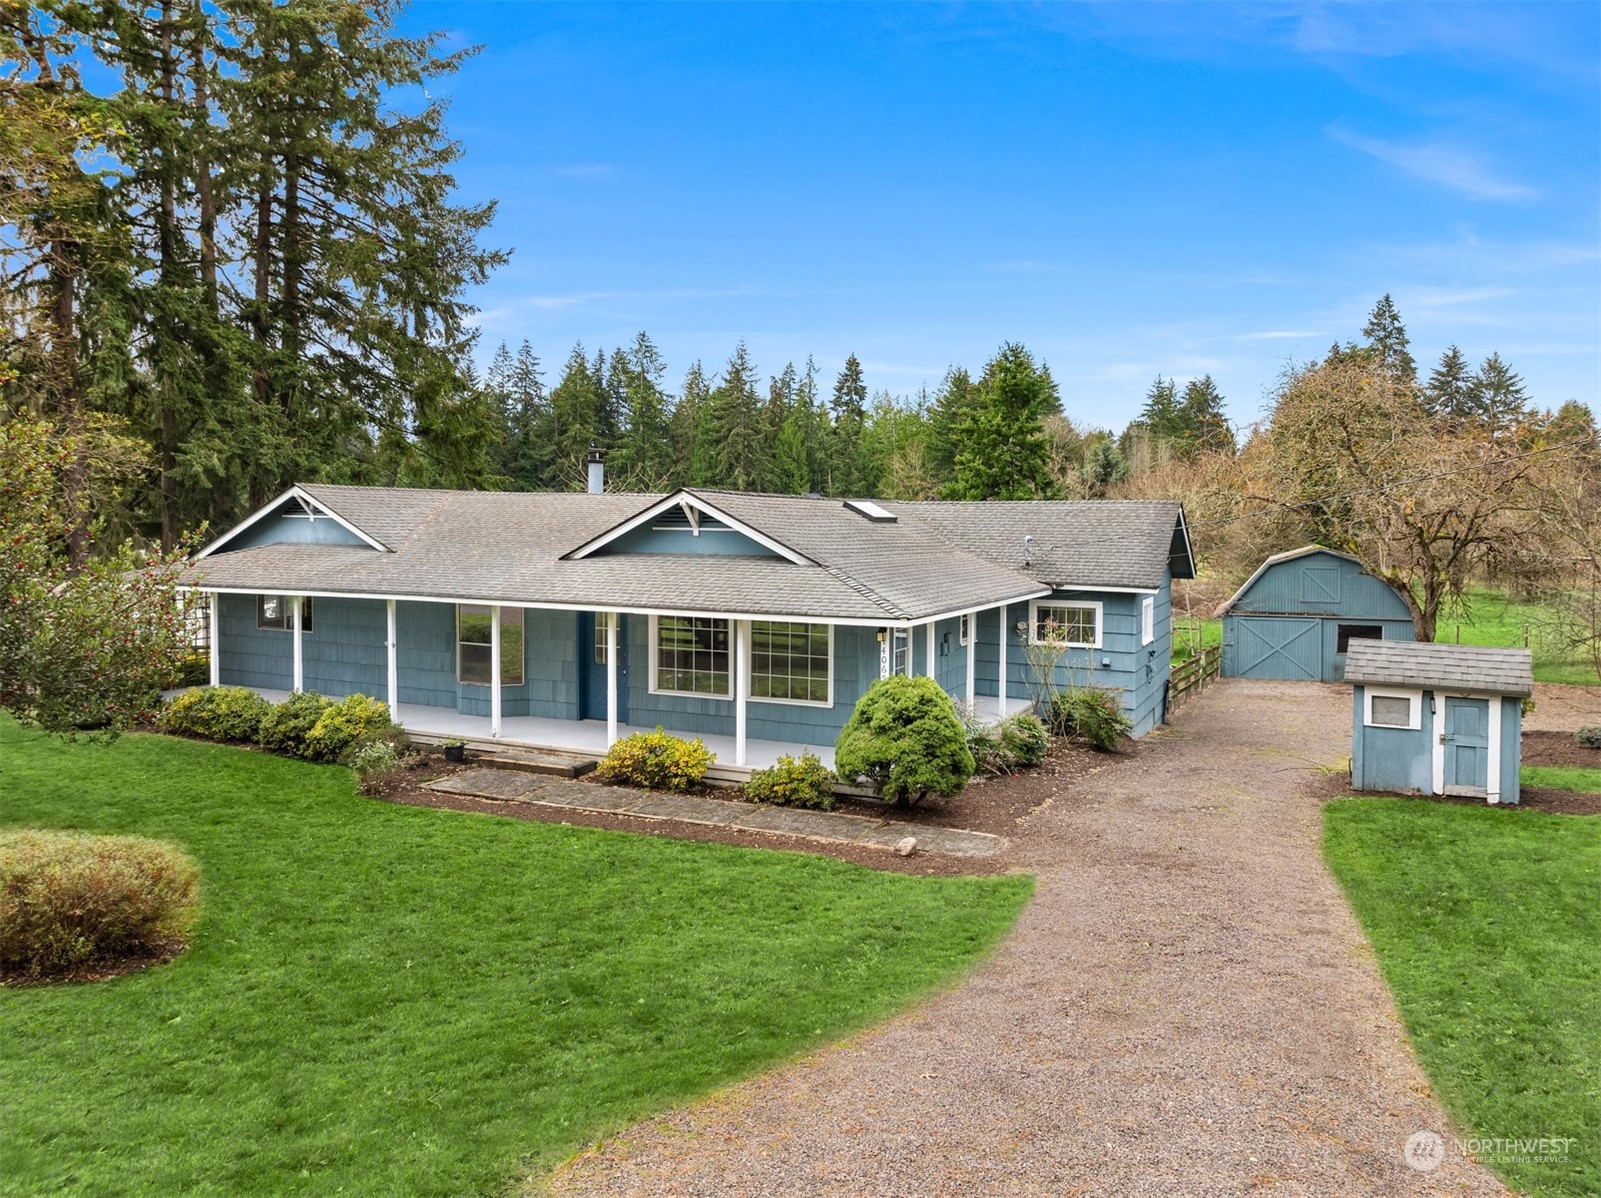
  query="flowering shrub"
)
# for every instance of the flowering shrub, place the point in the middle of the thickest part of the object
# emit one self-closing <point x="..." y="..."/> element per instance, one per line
<point x="226" y="713"/>
<point x="349" y="724"/>
<point x="291" y="722"/>
<point x="69" y="899"/>
<point x="794" y="782"/>
<point x="657" y="761"/>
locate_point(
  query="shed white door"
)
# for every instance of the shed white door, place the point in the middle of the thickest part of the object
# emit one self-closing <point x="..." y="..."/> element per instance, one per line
<point x="1467" y="746"/>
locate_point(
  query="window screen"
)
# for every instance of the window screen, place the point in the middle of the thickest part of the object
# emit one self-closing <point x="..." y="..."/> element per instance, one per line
<point x="1392" y="711"/>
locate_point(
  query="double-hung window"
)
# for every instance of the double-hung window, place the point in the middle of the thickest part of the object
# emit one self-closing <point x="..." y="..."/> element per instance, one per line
<point x="474" y="648"/>
<point x="1075" y="625"/>
<point x="690" y="656"/>
<point x="277" y="613"/>
<point x="790" y="662"/>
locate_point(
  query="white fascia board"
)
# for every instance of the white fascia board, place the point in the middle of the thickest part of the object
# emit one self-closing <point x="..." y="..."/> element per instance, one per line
<point x="969" y="610"/>
<point x="686" y="499"/>
<point x="1108" y="590"/>
<point x="267" y="509"/>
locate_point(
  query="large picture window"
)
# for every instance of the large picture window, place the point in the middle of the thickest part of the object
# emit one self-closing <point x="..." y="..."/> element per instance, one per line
<point x="790" y="662"/>
<point x="277" y="613"/>
<point x="474" y="650"/>
<point x="1077" y="625"/>
<point x="691" y="656"/>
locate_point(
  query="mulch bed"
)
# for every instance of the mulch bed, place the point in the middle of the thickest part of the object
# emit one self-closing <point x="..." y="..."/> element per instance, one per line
<point x="1336" y="784"/>
<point x="96" y="971"/>
<point x="989" y="804"/>
<point x="1558" y="748"/>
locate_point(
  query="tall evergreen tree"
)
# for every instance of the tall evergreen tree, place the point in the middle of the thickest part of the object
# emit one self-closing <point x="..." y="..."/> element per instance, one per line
<point x="1002" y="450"/>
<point x="691" y="448"/>
<point x="1497" y="395"/>
<point x="578" y="420"/>
<point x="644" y="454"/>
<point x="1104" y="466"/>
<point x="952" y="403"/>
<point x="734" y="426"/>
<point x="524" y="417"/>
<point x="1387" y="339"/>
<point x="1449" y="392"/>
<point x="1201" y="417"/>
<point x="849" y="406"/>
<point x="1160" y="415"/>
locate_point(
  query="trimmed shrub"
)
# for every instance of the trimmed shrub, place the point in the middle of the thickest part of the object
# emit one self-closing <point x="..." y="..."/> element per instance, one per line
<point x="1024" y="739"/>
<point x="907" y="739"/>
<point x="1589" y="737"/>
<point x="794" y="782"/>
<point x="350" y="724"/>
<point x="291" y="722"/>
<point x="1092" y="713"/>
<point x="377" y="766"/>
<point x="225" y="713"/>
<point x="69" y="899"/>
<point x="657" y="761"/>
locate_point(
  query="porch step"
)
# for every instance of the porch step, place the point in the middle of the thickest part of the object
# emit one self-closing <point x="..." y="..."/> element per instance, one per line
<point x="535" y="761"/>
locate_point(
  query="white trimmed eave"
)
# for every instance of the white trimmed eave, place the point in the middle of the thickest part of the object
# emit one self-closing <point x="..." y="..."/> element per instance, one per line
<point x="267" y="509"/>
<point x="1066" y="589"/>
<point x="686" y="500"/>
<point x="885" y="621"/>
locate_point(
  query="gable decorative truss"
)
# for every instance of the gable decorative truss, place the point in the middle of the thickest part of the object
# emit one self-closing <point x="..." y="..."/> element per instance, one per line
<point x="312" y="509"/>
<point x="693" y="508"/>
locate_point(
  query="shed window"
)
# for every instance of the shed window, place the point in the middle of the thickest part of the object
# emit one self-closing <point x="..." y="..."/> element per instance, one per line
<point x="1346" y="633"/>
<point x="789" y="662"/>
<point x="1077" y="625"/>
<point x="1393" y="709"/>
<point x="475" y="661"/>
<point x="691" y="656"/>
<point x="1147" y="620"/>
<point x="277" y="613"/>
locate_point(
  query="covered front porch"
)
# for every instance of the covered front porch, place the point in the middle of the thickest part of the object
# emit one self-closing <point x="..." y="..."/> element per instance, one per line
<point x="432" y="725"/>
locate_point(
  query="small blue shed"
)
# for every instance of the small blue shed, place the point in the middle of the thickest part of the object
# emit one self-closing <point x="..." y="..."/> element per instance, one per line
<point x="1294" y="617"/>
<point x="1437" y="719"/>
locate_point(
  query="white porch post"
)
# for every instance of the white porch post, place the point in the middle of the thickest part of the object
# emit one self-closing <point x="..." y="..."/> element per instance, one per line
<point x="611" y="678"/>
<point x="300" y="672"/>
<point x="215" y="637"/>
<point x="494" y="670"/>
<point x="393" y="671"/>
<point x="972" y="659"/>
<point x="1492" y="776"/>
<point x="928" y="649"/>
<point x="1001" y="686"/>
<point x="911" y="652"/>
<point x="741" y="685"/>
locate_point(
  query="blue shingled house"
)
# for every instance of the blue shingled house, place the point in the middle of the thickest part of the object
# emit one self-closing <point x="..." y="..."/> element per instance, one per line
<point x="753" y="621"/>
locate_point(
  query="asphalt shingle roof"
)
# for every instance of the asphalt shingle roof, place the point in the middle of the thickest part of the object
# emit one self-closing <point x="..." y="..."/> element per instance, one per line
<point x="1445" y="667"/>
<point x="511" y="546"/>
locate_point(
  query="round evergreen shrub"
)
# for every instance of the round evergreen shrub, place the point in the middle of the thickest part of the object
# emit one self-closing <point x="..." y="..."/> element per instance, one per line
<point x="1589" y="737"/>
<point x="225" y="713"/>
<point x="657" y="761"/>
<point x="906" y="738"/>
<point x="350" y="724"/>
<point x="70" y="899"/>
<point x="289" y="724"/>
<point x="794" y="782"/>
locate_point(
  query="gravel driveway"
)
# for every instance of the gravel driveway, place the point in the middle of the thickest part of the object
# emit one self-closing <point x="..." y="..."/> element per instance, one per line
<point x="1187" y="1007"/>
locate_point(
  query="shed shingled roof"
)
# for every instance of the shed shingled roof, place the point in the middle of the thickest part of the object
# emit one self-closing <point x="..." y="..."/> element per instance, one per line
<point x="1440" y="667"/>
<point x="511" y="546"/>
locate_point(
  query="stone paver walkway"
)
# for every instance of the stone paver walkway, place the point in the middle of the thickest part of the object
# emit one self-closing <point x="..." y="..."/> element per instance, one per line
<point x="1187" y="1008"/>
<point x="514" y="787"/>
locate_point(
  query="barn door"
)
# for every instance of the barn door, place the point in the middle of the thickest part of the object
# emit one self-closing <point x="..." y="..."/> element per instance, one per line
<point x="1467" y="747"/>
<point x="1276" y="648"/>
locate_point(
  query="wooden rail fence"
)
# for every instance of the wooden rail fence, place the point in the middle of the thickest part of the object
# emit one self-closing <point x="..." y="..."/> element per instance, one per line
<point x="1191" y="675"/>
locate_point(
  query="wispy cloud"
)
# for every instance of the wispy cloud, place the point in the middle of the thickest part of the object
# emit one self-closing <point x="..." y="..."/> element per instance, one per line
<point x="584" y="170"/>
<point x="1022" y="266"/>
<point x="1435" y="162"/>
<point x="1280" y="335"/>
<point x="515" y="308"/>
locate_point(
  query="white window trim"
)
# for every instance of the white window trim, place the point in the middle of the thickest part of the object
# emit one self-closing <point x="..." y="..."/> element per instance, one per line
<point x="504" y="681"/>
<point x="1415" y="698"/>
<point x="289" y="614"/>
<point x="655" y="660"/>
<point x="1147" y="619"/>
<point x="964" y="627"/>
<point x="750" y="674"/>
<point x="1034" y="620"/>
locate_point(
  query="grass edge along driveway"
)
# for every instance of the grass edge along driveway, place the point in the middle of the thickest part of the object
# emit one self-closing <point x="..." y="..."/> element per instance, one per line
<point x="392" y="999"/>
<point x="1487" y="929"/>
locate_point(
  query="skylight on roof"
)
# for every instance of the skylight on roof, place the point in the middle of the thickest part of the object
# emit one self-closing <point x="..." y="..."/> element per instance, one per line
<point x="871" y="510"/>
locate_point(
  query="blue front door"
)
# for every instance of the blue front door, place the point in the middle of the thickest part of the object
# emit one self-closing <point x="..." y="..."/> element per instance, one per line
<point x="592" y="667"/>
<point x="1467" y="746"/>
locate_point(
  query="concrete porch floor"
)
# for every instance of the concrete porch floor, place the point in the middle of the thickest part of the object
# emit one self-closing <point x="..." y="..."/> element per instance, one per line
<point x="433" y="724"/>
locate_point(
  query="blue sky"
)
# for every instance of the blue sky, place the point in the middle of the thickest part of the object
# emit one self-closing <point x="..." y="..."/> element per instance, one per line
<point x="1126" y="189"/>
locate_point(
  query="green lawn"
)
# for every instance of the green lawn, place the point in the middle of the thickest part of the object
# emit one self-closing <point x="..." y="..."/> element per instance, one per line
<point x="1562" y="777"/>
<point x="1492" y="618"/>
<point x="1488" y="929"/>
<point x="395" y="1000"/>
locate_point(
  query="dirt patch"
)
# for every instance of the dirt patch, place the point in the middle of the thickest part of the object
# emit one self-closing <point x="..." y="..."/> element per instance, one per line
<point x="1559" y="707"/>
<point x="97" y="971"/>
<point x="1558" y="748"/>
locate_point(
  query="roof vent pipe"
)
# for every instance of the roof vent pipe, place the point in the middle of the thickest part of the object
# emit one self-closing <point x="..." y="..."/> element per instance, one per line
<point x="1028" y="551"/>
<point x="597" y="469"/>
